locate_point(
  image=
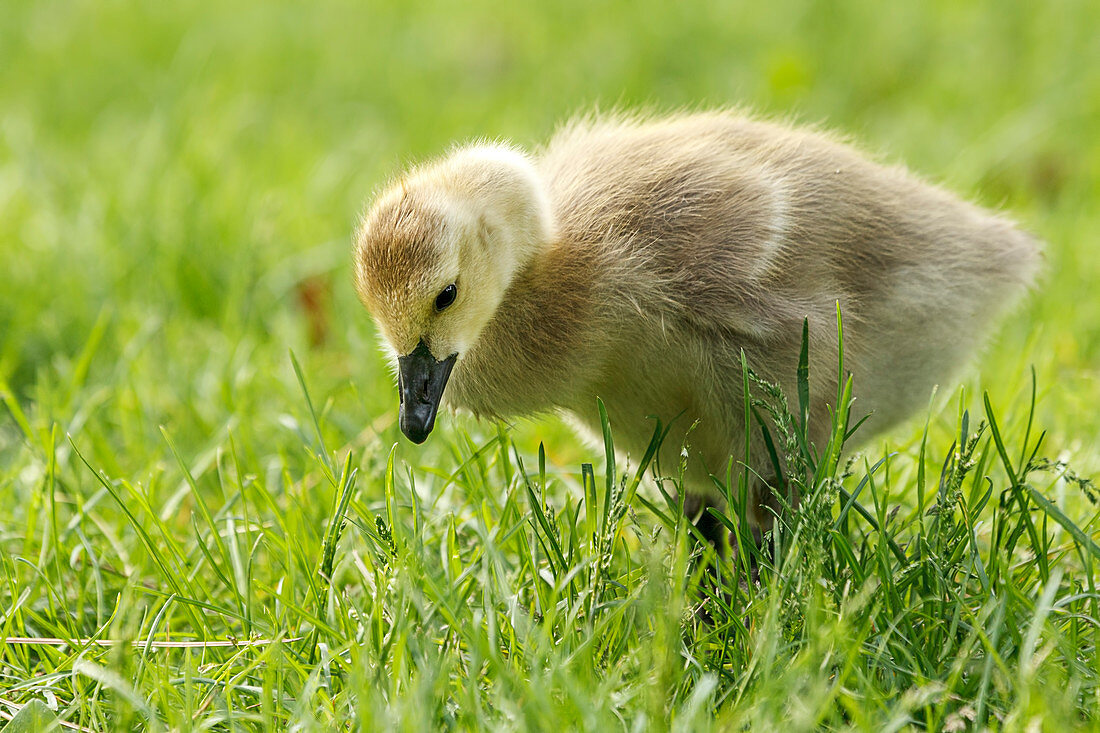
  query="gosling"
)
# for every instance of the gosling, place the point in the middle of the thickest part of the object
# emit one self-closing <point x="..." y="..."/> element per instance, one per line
<point x="634" y="259"/>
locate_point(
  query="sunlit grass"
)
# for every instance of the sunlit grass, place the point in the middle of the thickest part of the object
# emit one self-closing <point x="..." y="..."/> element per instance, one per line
<point x="187" y="540"/>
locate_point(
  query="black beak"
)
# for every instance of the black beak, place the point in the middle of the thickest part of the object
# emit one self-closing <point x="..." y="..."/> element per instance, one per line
<point x="420" y="383"/>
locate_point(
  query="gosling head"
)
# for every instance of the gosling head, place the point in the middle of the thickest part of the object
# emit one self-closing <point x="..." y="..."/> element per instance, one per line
<point x="435" y="255"/>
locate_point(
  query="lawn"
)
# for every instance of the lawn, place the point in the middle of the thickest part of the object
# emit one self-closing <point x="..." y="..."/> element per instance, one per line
<point x="209" y="519"/>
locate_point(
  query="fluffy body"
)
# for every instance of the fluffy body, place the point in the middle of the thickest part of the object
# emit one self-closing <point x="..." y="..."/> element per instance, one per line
<point x="633" y="259"/>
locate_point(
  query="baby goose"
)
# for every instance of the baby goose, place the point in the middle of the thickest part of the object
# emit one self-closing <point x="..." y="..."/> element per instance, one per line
<point x="633" y="259"/>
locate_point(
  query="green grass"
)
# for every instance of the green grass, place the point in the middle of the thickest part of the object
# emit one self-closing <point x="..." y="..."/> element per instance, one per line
<point x="222" y="539"/>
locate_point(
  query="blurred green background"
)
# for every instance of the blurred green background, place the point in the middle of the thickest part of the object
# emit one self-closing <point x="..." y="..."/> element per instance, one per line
<point x="179" y="181"/>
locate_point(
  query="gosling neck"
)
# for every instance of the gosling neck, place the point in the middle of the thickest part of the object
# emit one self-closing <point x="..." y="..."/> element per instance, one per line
<point x="535" y="354"/>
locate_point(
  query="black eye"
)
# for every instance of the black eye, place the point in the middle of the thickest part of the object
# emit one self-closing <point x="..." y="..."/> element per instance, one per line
<point x="446" y="297"/>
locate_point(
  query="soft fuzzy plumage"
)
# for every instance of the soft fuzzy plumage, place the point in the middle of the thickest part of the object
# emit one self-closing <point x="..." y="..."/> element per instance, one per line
<point x="633" y="259"/>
